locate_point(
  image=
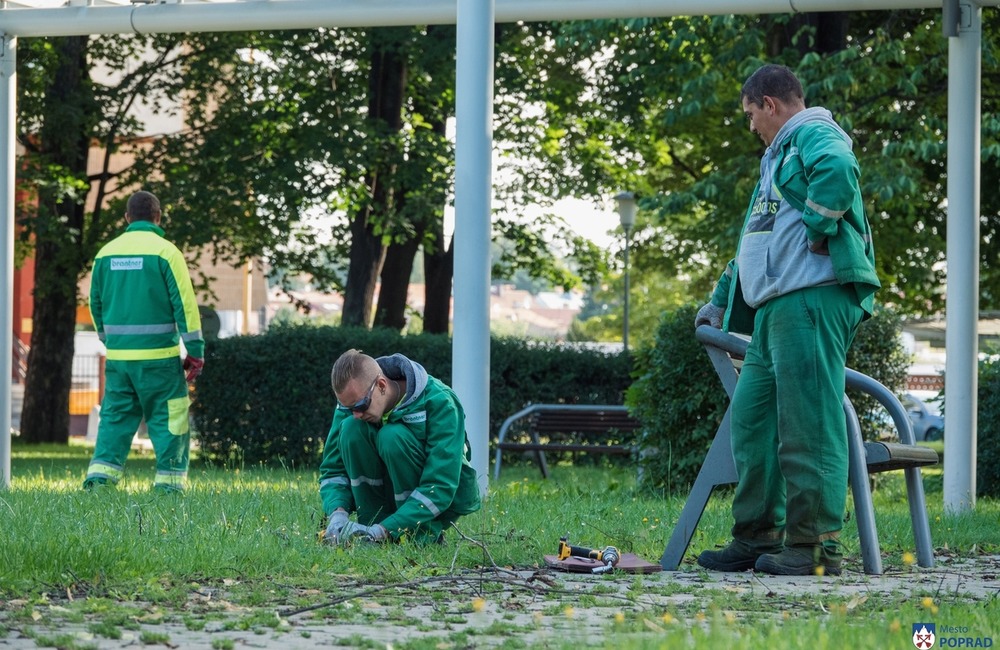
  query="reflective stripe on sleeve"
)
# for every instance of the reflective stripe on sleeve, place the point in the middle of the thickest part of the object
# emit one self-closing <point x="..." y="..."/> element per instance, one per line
<point x="365" y="480"/>
<point x="427" y="502"/>
<point x="824" y="211"/>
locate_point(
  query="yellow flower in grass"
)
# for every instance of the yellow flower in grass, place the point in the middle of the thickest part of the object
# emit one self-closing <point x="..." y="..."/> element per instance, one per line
<point x="667" y="618"/>
<point x="619" y="618"/>
<point x="895" y="626"/>
<point x="908" y="559"/>
<point x="569" y="612"/>
<point x="927" y="602"/>
<point x="478" y="604"/>
<point x="820" y="571"/>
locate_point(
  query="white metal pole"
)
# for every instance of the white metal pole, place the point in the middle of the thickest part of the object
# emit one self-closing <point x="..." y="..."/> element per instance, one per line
<point x="962" y="307"/>
<point x="8" y="114"/>
<point x="473" y="194"/>
<point x="159" y="17"/>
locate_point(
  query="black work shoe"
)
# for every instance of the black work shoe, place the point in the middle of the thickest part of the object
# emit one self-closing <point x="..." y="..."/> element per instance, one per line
<point x="738" y="556"/>
<point x="800" y="561"/>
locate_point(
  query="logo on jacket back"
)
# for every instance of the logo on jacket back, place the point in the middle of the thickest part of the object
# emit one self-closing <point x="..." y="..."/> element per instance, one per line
<point x="126" y="263"/>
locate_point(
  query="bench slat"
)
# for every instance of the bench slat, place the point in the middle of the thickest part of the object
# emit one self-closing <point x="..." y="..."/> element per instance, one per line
<point x="888" y="456"/>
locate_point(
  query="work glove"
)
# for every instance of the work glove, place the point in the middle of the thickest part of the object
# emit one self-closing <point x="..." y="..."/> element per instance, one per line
<point x="193" y="366"/>
<point x="378" y="533"/>
<point x="353" y="530"/>
<point x="710" y="314"/>
<point x="338" y="520"/>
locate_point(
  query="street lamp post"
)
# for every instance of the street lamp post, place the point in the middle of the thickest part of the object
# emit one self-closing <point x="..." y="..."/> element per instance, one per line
<point x="626" y="212"/>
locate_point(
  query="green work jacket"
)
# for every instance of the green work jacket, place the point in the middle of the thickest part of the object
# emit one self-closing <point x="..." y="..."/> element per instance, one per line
<point x="818" y="174"/>
<point x="141" y="297"/>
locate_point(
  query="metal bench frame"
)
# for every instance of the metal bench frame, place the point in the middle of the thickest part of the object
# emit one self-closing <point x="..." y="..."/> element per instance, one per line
<point x="539" y="447"/>
<point x="720" y="469"/>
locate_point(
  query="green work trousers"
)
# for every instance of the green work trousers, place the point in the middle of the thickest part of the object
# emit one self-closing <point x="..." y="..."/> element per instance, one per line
<point x="384" y="466"/>
<point x="789" y="431"/>
<point x="157" y="391"/>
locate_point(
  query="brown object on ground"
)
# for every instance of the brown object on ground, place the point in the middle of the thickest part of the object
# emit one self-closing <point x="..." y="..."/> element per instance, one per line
<point x="629" y="563"/>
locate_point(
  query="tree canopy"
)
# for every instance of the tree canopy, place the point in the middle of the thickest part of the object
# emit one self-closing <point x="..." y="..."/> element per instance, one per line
<point x="327" y="151"/>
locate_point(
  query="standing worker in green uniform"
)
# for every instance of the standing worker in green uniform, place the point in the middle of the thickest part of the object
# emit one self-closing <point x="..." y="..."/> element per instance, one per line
<point x="397" y="453"/>
<point x="143" y="304"/>
<point x="802" y="281"/>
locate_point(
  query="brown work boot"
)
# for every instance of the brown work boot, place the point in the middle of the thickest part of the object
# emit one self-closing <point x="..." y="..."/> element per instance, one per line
<point x="801" y="561"/>
<point x="738" y="556"/>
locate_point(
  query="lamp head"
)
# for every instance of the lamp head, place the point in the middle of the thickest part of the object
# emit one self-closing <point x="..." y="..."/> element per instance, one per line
<point x="626" y="209"/>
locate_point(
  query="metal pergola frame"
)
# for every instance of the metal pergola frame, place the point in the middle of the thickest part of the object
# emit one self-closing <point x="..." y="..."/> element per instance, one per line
<point x="475" y="20"/>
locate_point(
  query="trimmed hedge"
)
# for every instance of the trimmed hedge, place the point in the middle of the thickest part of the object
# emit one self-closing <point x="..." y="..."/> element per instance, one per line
<point x="267" y="399"/>
<point x="988" y="429"/>
<point x="681" y="402"/>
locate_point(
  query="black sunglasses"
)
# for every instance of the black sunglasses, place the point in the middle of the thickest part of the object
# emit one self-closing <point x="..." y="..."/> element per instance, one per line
<point x="362" y="404"/>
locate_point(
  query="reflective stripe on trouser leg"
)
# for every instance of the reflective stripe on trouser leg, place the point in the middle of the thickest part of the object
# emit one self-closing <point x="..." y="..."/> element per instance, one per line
<point x="163" y="393"/>
<point x="370" y="484"/>
<point x="120" y="416"/>
<point x="800" y="343"/>
<point x="405" y="459"/>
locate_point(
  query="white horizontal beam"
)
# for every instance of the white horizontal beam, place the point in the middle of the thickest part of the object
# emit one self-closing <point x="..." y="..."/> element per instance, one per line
<point x="83" y="17"/>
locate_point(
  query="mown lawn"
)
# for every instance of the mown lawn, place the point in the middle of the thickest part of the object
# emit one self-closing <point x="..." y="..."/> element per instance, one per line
<point x="102" y="563"/>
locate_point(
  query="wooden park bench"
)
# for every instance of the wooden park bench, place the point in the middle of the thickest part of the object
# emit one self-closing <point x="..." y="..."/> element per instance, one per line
<point x="580" y="428"/>
<point x="866" y="458"/>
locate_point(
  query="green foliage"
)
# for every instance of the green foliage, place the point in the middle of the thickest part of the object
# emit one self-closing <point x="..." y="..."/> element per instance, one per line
<point x="988" y="434"/>
<point x="680" y="142"/>
<point x="680" y="401"/>
<point x="267" y="399"/>
<point x="878" y="352"/>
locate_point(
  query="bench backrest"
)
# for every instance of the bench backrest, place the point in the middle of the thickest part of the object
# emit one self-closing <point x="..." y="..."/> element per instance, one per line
<point x="569" y="422"/>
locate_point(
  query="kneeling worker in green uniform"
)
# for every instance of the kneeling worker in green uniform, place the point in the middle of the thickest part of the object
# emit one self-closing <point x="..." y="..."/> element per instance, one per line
<point x="397" y="453"/>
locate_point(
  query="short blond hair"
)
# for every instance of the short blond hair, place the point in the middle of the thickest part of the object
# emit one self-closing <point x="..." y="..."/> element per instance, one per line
<point x="353" y="364"/>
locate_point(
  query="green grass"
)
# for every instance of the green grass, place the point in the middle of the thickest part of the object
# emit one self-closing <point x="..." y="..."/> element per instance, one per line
<point x="239" y="552"/>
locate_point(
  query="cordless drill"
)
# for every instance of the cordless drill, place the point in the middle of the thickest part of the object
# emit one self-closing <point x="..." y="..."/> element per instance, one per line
<point x="608" y="555"/>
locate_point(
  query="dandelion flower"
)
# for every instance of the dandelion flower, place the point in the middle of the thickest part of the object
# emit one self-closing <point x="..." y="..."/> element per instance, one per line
<point x="478" y="604"/>
<point x="894" y="626"/>
<point x="927" y="602"/>
<point x="569" y="612"/>
<point x="667" y="618"/>
<point x="908" y="559"/>
<point x="619" y="618"/>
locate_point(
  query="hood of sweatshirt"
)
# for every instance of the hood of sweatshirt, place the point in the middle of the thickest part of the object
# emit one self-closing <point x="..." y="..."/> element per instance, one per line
<point x="397" y="366"/>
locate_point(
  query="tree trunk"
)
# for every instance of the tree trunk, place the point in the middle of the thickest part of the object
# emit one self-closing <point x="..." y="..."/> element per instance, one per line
<point x="45" y="414"/>
<point x="64" y="141"/>
<point x="387" y="84"/>
<point x="396" y="273"/>
<point x="439" y="267"/>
